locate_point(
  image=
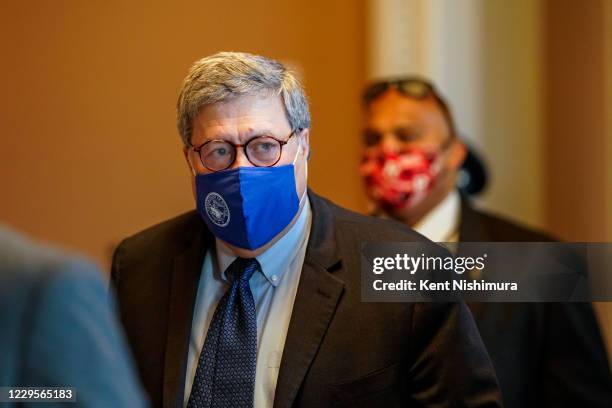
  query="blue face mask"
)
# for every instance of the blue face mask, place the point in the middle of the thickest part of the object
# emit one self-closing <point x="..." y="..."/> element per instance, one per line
<point x="248" y="206"/>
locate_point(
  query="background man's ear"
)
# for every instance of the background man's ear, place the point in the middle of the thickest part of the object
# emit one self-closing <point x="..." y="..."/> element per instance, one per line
<point x="457" y="154"/>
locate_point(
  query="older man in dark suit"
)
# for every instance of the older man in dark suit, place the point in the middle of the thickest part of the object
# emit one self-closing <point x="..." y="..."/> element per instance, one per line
<point x="254" y="300"/>
<point x="545" y="354"/>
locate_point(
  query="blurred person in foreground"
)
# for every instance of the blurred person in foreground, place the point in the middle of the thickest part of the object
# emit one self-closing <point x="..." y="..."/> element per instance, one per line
<point x="58" y="328"/>
<point x="254" y="299"/>
<point x="545" y="354"/>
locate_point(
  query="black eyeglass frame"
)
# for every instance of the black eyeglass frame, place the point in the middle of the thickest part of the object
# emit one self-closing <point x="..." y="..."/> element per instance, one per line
<point x="198" y="149"/>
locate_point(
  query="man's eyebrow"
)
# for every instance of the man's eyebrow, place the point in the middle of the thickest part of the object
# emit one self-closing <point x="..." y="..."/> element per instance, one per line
<point x="243" y="137"/>
<point x="408" y="128"/>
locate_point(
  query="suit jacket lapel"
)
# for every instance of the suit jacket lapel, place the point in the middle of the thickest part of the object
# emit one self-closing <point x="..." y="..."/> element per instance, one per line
<point x="183" y="291"/>
<point x="315" y="304"/>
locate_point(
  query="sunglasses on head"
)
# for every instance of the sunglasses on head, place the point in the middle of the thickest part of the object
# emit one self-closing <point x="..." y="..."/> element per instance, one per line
<point x="412" y="87"/>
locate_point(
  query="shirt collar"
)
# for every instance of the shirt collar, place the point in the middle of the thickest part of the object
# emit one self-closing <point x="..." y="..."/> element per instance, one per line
<point x="275" y="260"/>
<point x="442" y="222"/>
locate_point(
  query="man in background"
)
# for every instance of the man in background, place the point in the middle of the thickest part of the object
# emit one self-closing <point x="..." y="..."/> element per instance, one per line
<point x="58" y="328"/>
<point x="544" y="354"/>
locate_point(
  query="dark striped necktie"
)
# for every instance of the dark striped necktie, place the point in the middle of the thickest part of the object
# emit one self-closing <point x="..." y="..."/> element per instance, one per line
<point x="225" y="377"/>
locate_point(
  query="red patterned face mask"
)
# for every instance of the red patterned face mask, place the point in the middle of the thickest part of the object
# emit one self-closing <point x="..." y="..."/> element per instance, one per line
<point x="397" y="180"/>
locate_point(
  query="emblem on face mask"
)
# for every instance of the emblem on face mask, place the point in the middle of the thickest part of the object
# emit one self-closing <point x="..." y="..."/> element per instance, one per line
<point x="217" y="209"/>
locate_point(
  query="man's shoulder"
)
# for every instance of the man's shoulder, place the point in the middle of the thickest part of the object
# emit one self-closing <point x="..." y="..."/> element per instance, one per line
<point x="35" y="276"/>
<point x="153" y="250"/>
<point x="61" y="323"/>
<point x="36" y="281"/>
<point x="168" y="234"/>
<point x="27" y="262"/>
<point x="503" y="229"/>
<point x="372" y="228"/>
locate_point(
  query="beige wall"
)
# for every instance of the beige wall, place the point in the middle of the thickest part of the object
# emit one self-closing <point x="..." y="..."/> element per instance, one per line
<point x="511" y="111"/>
<point x="89" y="150"/>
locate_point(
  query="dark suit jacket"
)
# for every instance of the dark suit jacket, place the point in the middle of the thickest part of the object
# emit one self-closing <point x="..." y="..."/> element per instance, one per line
<point x="58" y="328"/>
<point x="339" y="351"/>
<point x="545" y="354"/>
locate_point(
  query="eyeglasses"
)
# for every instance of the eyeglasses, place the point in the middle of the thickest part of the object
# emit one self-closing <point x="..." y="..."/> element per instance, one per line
<point x="413" y="87"/>
<point x="261" y="151"/>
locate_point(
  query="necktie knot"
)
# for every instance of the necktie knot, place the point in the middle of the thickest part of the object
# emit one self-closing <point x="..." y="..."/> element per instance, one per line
<point x="242" y="269"/>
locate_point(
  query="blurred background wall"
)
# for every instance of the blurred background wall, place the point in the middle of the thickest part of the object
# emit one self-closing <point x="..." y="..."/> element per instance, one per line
<point x="485" y="56"/>
<point x="89" y="151"/>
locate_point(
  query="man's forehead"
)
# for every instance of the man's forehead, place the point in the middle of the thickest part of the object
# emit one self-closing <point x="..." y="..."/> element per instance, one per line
<point x="249" y="113"/>
<point x="393" y="102"/>
<point x="243" y="106"/>
<point x="392" y="107"/>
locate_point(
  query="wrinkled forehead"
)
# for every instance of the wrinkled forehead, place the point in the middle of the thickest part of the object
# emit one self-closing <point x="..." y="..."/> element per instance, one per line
<point x="242" y="115"/>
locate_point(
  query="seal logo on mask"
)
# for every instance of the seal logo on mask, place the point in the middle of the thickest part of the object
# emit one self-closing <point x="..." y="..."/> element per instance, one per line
<point x="217" y="209"/>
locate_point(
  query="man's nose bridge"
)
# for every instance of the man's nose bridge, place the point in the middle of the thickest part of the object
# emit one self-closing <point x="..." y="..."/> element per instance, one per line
<point x="389" y="142"/>
<point x="241" y="158"/>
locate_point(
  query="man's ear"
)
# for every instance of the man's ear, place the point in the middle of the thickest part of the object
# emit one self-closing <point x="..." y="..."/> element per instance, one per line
<point x="305" y="135"/>
<point x="456" y="154"/>
<point x="188" y="160"/>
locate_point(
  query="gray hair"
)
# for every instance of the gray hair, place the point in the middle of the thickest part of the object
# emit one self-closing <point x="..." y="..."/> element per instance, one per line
<point x="227" y="75"/>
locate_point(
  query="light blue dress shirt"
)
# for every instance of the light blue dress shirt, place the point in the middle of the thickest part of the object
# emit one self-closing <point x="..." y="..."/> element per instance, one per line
<point x="274" y="292"/>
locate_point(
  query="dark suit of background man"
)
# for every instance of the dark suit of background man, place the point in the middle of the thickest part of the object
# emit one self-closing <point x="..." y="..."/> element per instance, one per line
<point x="58" y="328"/>
<point x="254" y="300"/>
<point x="548" y="355"/>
